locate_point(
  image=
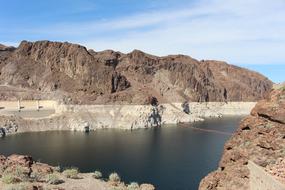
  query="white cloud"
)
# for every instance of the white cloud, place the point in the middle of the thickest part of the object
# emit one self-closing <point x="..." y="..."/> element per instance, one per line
<point x="237" y="31"/>
<point x="244" y="31"/>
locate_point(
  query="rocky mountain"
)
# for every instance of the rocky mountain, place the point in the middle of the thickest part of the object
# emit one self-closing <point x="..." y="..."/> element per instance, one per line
<point x="73" y="74"/>
<point x="259" y="138"/>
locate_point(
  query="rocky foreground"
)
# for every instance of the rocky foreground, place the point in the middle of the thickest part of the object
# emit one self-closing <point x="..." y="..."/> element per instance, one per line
<point x="259" y="138"/>
<point x="72" y="74"/>
<point x="18" y="172"/>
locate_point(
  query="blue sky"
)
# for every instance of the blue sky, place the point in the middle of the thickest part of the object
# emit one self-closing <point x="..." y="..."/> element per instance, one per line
<point x="249" y="33"/>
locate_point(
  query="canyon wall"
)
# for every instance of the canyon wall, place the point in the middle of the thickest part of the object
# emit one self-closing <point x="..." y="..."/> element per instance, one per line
<point x="260" y="138"/>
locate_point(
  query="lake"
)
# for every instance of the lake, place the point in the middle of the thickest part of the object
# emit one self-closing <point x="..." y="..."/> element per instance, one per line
<point x="171" y="157"/>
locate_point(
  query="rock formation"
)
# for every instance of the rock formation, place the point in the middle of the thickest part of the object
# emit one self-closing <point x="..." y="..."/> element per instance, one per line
<point x="8" y="125"/>
<point x="259" y="138"/>
<point x="22" y="172"/>
<point x="73" y="74"/>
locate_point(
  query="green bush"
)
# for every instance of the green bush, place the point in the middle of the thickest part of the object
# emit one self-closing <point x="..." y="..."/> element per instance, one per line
<point x="53" y="179"/>
<point x="133" y="186"/>
<point x="114" y="177"/>
<point x="97" y="174"/>
<point x="9" y="179"/>
<point x="71" y="173"/>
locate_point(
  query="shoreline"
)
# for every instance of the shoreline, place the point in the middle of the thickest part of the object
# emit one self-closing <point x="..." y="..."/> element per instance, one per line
<point x="93" y="117"/>
<point x="22" y="172"/>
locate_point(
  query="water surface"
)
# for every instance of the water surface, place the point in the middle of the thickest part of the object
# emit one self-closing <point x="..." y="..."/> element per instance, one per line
<point x="171" y="158"/>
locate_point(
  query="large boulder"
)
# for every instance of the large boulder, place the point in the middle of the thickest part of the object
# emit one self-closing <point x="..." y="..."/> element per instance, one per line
<point x="21" y="160"/>
<point x="42" y="168"/>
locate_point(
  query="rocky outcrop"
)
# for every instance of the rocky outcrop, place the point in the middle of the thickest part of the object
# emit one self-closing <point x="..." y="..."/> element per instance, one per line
<point x="6" y="48"/>
<point x="277" y="169"/>
<point x="259" y="138"/>
<point x="73" y="74"/>
<point x="8" y="125"/>
<point x="22" y="172"/>
<point x="22" y="167"/>
<point x="119" y="82"/>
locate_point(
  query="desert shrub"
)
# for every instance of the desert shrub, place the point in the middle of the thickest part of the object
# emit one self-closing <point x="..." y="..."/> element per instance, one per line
<point x="53" y="179"/>
<point x="57" y="168"/>
<point x="18" y="172"/>
<point x="37" y="176"/>
<point x="97" y="174"/>
<point x="18" y="187"/>
<point x="133" y="186"/>
<point x="114" y="177"/>
<point x="9" y="179"/>
<point x="71" y="173"/>
<point x="2" y="169"/>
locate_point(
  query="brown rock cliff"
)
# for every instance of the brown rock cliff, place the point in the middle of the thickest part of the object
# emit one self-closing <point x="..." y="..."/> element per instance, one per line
<point x="259" y="138"/>
<point x="71" y="73"/>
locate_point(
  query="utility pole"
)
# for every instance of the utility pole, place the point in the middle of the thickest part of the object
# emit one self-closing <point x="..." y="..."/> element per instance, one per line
<point x="19" y="105"/>
<point x="38" y="105"/>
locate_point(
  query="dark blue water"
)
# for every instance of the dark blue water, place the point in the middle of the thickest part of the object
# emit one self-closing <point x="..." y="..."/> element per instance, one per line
<point x="171" y="158"/>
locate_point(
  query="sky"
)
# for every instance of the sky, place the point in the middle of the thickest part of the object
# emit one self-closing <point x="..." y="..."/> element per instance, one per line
<point x="248" y="33"/>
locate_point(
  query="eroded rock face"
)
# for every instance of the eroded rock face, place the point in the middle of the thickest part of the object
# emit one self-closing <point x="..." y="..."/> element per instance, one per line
<point x="119" y="82"/>
<point x="8" y="125"/>
<point x="41" y="168"/>
<point x="277" y="169"/>
<point x="22" y="160"/>
<point x="73" y="74"/>
<point x="259" y="138"/>
<point x="22" y="167"/>
<point x="272" y="108"/>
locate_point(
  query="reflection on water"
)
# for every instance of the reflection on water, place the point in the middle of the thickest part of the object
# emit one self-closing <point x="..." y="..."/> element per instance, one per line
<point x="173" y="157"/>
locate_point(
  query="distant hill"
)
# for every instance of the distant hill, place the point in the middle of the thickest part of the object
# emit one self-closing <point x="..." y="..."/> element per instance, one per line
<point x="73" y="74"/>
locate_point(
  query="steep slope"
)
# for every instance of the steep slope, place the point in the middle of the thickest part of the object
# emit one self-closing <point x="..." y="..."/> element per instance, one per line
<point x="259" y="138"/>
<point x="71" y="73"/>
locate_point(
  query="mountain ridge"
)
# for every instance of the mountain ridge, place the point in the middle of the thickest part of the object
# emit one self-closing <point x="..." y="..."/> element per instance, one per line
<point x="72" y="74"/>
